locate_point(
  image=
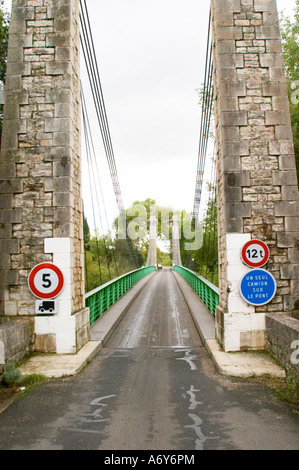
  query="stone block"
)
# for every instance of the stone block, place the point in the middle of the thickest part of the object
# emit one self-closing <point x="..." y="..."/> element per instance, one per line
<point x="228" y="133"/>
<point x="283" y="132"/>
<point x="61" y="25"/>
<point x="58" y="67"/>
<point x="227" y="6"/>
<point x="233" y="194"/>
<point x="231" y="163"/>
<point x="237" y="179"/>
<point x="234" y="118"/>
<point x="284" y="178"/>
<point x="287" y="162"/>
<point x="289" y="271"/>
<point x="230" y="61"/>
<point x="238" y="209"/>
<point x="268" y="32"/>
<point x="292" y="224"/>
<point x="265" y="5"/>
<point x="277" y="73"/>
<point x="277" y="118"/>
<point x="59" y="184"/>
<point x="227" y="46"/>
<point x="274" y="89"/>
<point x="293" y="255"/>
<point x="286" y="208"/>
<point x="59" y="11"/>
<point x="234" y="89"/>
<point x="62" y="200"/>
<point x="235" y="148"/>
<point x="287" y="240"/>
<point x="233" y="225"/>
<point x="11" y="216"/>
<point x="228" y="104"/>
<point x="290" y="193"/>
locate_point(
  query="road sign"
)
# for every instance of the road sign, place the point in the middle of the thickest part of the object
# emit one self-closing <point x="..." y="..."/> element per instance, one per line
<point x="258" y="287"/>
<point x="46" y="281"/>
<point x="255" y="253"/>
<point x="47" y="307"/>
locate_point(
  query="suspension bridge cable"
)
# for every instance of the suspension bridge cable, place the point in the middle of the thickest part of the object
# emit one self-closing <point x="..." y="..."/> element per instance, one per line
<point x="91" y="63"/>
<point x="97" y="173"/>
<point x="207" y="104"/>
<point x="94" y="173"/>
<point x="95" y="82"/>
<point x="92" y="199"/>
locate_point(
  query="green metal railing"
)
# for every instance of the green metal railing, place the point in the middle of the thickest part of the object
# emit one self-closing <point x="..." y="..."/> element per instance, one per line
<point x="101" y="299"/>
<point x="208" y="293"/>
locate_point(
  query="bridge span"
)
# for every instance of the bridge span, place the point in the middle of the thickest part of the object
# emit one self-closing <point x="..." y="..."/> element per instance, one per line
<point x="153" y="387"/>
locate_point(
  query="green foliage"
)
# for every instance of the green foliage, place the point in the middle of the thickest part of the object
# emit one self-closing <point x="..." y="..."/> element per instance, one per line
<point x="163" y="258"/>
<point x="204" y="261"/>
<point x="107" y="258"/>
<point x="4" y="29"/>
<point x="11" y="376"/>
<point x="290" y="44"/>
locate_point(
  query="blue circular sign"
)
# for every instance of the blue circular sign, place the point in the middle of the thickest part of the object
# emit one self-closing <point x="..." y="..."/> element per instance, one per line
<point x="258" y="287"/>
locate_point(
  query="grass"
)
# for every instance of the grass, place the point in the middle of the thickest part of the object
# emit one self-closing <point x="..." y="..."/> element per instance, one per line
<point x="13" y="383"/>
<point x="285" y="389"/>
<point x="288" y="391"/>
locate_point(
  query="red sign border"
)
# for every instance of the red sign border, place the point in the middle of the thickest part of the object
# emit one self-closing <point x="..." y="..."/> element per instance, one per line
<point x="37" y="293"/>
<point x="261" y="263"/>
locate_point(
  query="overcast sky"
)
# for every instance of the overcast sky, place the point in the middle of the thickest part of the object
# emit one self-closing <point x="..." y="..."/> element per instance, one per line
<point x="151" y="58"/>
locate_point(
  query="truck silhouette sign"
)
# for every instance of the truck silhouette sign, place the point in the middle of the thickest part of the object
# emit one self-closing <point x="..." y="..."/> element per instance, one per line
<point x="46" y="306"/>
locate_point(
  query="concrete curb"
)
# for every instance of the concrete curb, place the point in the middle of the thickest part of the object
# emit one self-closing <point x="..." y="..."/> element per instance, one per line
<point x="63" y="365"/>
<point x="233" y="364"/>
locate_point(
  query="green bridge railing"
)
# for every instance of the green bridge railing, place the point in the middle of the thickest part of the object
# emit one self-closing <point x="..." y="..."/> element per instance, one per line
<point x="101" y="299"/>
<point x="208" y="293"/>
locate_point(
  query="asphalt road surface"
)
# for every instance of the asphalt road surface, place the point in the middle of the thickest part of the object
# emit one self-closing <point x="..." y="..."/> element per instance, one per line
<point x="153" y="387"/>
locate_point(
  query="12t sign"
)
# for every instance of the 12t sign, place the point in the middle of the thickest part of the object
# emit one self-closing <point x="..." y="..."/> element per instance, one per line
<point x="46" y="281"/>
<point x="255" y="253"/>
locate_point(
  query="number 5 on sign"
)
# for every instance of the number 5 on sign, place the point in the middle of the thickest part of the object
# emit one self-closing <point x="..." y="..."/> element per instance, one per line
<point x="46" y="281"/>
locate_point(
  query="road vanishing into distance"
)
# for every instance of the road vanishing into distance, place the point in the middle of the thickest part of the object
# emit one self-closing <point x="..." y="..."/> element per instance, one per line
<point x="153" y="387"/>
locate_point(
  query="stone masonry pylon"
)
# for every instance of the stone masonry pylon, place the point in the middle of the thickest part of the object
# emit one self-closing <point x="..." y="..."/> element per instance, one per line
<point x="176" y="252"/>
<point x="40" y="170"/>
<point x="152" y="249"/>
<point x="256" y="173"/>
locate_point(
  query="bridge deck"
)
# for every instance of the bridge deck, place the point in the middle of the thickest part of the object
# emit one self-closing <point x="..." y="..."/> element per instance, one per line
<point x="158" y="317"/>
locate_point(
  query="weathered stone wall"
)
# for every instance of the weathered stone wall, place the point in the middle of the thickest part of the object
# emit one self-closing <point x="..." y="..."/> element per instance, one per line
<point x="16" y="339"/>
<point x="282" y="339"/>
<point x="256" y="172"/>
<point x="40" y="171"/>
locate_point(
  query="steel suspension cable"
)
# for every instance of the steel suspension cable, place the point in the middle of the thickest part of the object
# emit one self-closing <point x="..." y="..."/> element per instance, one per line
<point x="87" y="43"/>
<point x="94" y="77"/>
<point x="96" y="173"/>
<point x="92" y="199"/>
<point x="207" y="104"/>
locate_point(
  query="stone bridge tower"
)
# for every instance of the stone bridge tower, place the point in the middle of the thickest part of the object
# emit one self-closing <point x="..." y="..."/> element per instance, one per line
<point x="176" y="252"/>
<point x="152" y="249"/>
<point x="256" y="172"/>
<point x="40" y="171"/>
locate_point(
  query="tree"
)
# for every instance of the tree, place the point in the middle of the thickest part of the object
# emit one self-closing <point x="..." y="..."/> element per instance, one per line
<point x="290" y="44"/>
<point x="4" y="28"/>
<point x="138" y="224"/>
